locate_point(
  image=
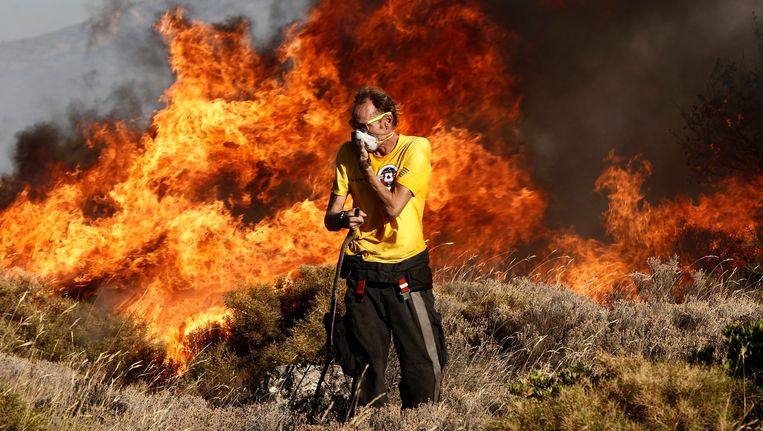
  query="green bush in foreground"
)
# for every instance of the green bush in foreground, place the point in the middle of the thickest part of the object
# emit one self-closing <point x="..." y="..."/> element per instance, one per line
<point x="638" y="394"/>
<point x="745" y="356"/>
<point x="268" y="326"/>
<point x="539" y="385"/>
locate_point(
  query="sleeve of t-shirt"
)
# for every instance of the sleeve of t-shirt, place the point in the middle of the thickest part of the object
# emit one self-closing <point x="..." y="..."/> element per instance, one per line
<point x="341" y="185"/>
<point x="415" y="167"/>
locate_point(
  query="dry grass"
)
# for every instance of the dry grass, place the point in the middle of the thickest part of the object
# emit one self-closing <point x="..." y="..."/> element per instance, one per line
<point x="497" y="332"/>
<point x="83" y="401"/>
<point x="36" y="324"/>
<point x="548" y="327"/>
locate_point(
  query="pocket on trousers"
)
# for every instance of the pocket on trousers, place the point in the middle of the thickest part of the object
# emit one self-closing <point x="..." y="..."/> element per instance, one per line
<point x="442" y="352"/>
<point x="342" y="350"/>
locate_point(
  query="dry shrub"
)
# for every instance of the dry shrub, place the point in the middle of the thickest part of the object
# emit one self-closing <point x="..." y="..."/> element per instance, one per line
<point x="675" y="331"/>
<point x="496" y="331"/>
<point x="638" y="394"/>
<point x="15" y="414"/>
<point x="269" y="326"/>
<point x="556" y="328"/>
<point x="669" y="282"/>
<point x="533" y="322"/>
<point x="660" y="285"/>
<point x="36" y="323"/>
<point x="547" y="327"/>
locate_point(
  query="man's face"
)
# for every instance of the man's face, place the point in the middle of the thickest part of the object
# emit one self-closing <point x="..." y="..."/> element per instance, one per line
<point x="366" y="118"/>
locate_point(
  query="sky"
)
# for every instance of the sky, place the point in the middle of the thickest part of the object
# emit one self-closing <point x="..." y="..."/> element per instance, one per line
<point x="20" y="19"/>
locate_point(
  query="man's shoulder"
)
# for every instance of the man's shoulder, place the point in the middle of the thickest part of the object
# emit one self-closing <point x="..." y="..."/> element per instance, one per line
<point x="415" y="142"/>
<point x="346" y="150"/>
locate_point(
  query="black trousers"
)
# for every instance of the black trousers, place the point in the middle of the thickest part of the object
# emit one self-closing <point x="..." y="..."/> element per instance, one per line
<point x="416" y="330"/>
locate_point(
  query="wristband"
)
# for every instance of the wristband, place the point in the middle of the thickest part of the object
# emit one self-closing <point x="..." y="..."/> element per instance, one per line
<point x="342" y="219"/>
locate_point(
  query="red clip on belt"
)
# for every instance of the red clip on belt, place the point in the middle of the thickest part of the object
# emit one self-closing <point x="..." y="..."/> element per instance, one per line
<point x="360" y="289"/>
<point x="405" y="292"/>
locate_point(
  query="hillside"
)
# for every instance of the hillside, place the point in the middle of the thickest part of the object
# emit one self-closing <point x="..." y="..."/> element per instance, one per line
<point x="162" y="240"/>
<point x="522" y="354"/>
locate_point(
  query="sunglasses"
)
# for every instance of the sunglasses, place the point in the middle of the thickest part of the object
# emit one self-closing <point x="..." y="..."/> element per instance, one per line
<point x="364" y="126"/>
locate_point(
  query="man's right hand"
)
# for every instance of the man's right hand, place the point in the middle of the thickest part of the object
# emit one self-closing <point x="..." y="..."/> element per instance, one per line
<point x="352" y="218"/>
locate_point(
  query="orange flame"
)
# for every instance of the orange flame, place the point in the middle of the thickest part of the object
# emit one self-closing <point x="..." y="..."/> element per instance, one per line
<point x="228" y="187"/>
<point x="640" y="230"/>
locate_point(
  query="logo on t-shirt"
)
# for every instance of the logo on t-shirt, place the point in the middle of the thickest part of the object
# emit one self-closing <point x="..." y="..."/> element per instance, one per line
<point x="387" y="175"/>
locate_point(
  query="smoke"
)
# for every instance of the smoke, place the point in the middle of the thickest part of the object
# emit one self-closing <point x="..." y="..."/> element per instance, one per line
<point x="601" y="75"/>
<point x="42" y="153"/>
<point x="115" y="64"/>
<point x="596" y="75"/>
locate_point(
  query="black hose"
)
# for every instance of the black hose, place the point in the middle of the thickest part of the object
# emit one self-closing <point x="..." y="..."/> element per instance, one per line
<point x="332" y="313"/>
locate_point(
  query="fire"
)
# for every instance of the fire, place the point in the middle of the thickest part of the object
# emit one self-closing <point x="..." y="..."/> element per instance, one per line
<point x="229" y="185"/>
<point x="728" y="218"/>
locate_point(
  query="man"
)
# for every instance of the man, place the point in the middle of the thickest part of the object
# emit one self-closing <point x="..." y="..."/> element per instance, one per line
<point x="389" y="282"/>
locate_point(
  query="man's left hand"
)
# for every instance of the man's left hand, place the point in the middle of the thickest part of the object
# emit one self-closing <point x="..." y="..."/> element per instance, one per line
<point x="363" y="158"/>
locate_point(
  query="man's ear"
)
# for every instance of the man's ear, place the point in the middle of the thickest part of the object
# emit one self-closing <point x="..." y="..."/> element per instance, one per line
<point x="388" y="122"/>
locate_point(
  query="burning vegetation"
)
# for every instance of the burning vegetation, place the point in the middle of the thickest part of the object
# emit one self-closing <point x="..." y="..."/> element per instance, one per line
<point x="227" y="188"/>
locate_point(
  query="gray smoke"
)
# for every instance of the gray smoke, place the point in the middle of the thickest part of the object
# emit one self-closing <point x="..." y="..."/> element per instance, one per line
<point x="603" y="74"/>
<point x="115" y="63"/>
<point x="596" y="74"/>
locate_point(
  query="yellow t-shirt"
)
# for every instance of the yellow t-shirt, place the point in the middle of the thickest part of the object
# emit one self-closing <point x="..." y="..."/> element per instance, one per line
<point x="380" y="239"/>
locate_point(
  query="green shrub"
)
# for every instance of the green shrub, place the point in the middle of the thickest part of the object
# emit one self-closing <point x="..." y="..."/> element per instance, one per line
<point x="704" y="355"/>
<point x="255" y="319"/>
<point x="304" y="301"/>
<point x="219" y="377"/>
<point x="268" y="326"/>
<point x="638" y="394"/>
<point x="745" y="350"/>
<point x="288" y="313"/>
<point x="539" y="385"/>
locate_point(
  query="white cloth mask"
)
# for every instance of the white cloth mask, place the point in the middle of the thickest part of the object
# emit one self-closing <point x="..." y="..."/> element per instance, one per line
<point x="369" y="141"/>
